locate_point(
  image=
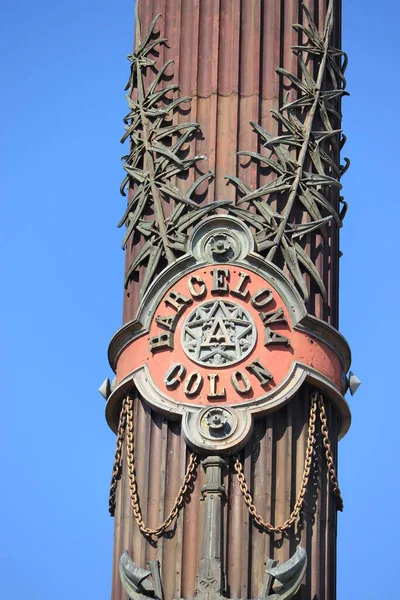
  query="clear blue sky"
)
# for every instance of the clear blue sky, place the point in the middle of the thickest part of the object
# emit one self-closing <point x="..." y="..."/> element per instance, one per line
<point x="61" y="104"/>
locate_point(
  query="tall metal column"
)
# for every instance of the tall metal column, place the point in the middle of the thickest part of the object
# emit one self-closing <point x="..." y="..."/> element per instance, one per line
<point x="229" y="346"/>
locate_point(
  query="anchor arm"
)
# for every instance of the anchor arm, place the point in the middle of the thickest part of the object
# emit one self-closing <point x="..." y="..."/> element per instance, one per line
<point x="138" y="583"/>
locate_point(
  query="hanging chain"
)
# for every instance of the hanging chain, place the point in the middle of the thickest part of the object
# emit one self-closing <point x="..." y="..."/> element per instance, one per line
<point x="306" y="474"/>
<point x="179" y="500"/>
<point x="328" y="454"/>
<point x="316" y="399"/>
<point x="117" y="467"/>
<point x="126" y="424"/>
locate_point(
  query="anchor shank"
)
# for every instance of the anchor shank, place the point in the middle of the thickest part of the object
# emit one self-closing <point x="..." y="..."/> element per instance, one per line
<point x="210" y="581"/>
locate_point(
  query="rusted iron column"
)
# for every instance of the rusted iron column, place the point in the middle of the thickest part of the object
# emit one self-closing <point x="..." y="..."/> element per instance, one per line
<point x="269" y="216"/>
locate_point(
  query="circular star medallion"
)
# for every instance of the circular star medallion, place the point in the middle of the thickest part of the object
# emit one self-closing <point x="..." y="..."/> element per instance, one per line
<point x="218" y="333"/>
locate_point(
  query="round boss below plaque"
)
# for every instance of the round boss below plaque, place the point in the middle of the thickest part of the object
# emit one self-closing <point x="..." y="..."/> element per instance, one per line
<point x="216" y="423"/>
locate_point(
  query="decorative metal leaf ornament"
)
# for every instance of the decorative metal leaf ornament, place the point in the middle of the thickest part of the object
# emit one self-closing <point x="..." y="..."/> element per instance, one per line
<point x="303" y="170"/>
<point x="157" y="155"/>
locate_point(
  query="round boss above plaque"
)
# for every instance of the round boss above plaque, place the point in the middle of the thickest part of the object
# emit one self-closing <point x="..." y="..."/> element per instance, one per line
<point x="221" y="336"/>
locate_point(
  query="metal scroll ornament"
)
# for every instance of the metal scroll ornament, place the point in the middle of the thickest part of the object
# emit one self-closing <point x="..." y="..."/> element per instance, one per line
<point x="300" y="159"/>
<point x="158" y="155"/>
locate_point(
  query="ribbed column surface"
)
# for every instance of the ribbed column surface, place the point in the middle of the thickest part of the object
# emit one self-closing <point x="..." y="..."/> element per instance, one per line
<point x="225" y="54"/>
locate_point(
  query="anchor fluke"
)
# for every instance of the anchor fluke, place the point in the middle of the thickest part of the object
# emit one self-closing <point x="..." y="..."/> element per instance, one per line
<point x="283" y="581"/>
<point x="140" y="583"/>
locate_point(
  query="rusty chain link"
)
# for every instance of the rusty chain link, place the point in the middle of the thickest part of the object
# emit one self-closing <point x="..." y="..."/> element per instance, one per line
<point x="306" y="473"/>
<point x="328" y="453"/>
<point x="126" y="425"/>
<point x="125" y="428"/>
<point x="316" y="400"/>
<point x="179" y="500"/>
<point x="117" y="467"/>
